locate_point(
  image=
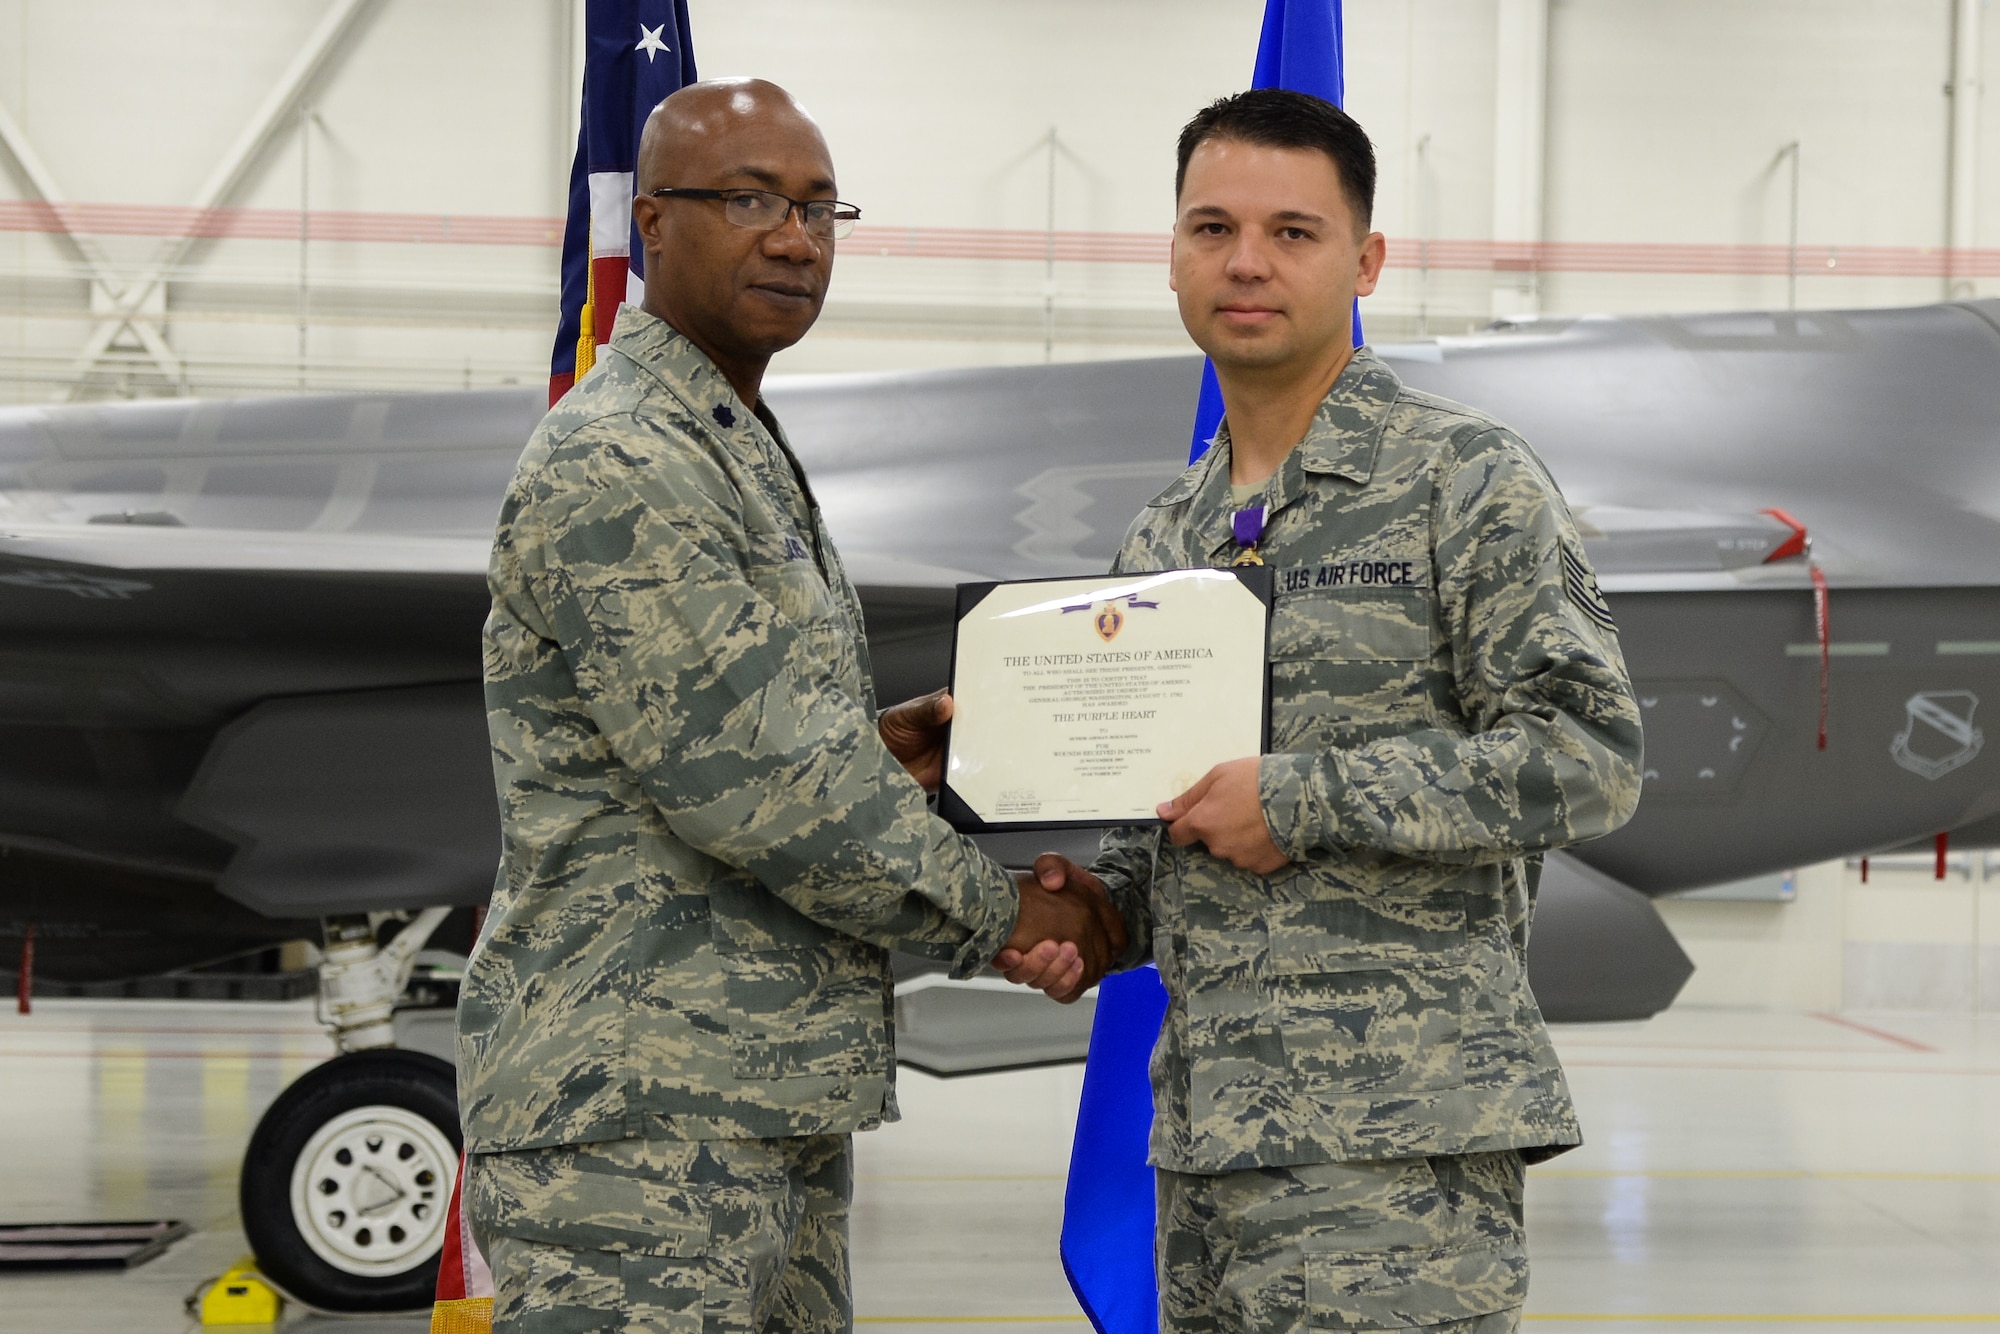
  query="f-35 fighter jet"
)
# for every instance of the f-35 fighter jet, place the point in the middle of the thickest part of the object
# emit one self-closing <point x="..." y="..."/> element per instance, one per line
<point x="240" y="700"/>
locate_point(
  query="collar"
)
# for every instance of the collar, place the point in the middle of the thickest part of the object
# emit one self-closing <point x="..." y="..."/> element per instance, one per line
<point x="1347" y="430"/>
<point x="1341" y="442"/>
<point x="686" y="372"/>
<point x="689" y="376"/>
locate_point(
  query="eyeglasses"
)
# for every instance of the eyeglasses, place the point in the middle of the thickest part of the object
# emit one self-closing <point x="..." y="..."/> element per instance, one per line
<point x="763" y="211"/>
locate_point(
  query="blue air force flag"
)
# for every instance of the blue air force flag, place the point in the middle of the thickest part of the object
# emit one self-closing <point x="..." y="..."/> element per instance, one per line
<point x="1300" y="49"/>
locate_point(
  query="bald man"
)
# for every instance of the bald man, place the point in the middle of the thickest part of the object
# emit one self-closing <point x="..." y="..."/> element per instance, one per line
<point x="681" y="1005"/>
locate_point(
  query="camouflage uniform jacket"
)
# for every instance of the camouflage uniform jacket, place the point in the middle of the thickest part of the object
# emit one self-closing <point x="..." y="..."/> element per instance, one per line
<point x="1448" y="701"/>
<point x="706" y="846"/>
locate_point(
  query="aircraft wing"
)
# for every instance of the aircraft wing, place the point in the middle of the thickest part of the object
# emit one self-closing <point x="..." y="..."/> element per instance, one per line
<point x="141" y="547"/>
<point x="295" y="717"/>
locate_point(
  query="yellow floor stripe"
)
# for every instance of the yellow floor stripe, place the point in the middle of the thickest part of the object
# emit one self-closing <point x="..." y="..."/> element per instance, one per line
<point x="970" y="1320"/>
<point x="1765" y="1318"/>
<point x="1043" y="1176"/>
<point x="1604" y="1317"/>
<point x="1770" y="1174"/>
<point x="1540" y="1173"/>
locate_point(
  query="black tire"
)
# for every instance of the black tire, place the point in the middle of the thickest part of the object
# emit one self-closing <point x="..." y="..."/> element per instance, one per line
<point x="359" y="1232"/>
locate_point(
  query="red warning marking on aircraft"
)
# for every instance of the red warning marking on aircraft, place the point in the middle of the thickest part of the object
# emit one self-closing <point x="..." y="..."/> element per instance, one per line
<point x="1795" y="545"/>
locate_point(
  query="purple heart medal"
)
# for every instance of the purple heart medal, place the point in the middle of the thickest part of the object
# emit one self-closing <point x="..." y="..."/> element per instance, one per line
<point x="1248" y="525"/>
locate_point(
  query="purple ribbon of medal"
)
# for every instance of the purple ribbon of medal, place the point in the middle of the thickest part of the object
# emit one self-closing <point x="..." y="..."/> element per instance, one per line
<point x="1248" y="525"/>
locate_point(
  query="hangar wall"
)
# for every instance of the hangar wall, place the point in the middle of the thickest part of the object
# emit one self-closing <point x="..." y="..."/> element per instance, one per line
<point x="1900" y="940"/>
<point x="388" y="222"/>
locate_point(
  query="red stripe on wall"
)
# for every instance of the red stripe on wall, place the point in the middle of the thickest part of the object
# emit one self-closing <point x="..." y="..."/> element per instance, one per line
<point x="275" y="224"/>
<point x="997" y="243"/>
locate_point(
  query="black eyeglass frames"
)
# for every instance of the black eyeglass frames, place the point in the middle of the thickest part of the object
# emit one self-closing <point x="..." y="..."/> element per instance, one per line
<point x="766" y="211"/>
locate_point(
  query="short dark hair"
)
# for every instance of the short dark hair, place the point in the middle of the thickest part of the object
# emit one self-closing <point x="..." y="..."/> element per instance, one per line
<point x="1281" y="118"/>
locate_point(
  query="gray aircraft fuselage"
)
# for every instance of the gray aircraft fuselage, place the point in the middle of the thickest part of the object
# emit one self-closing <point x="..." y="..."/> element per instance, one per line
<point x="241" y="643"/>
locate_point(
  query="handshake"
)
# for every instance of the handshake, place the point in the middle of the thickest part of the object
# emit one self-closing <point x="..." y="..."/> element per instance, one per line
<point x="1067" y="935"/>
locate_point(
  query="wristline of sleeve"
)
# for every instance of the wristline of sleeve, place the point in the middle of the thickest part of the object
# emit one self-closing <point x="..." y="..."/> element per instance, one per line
<point x="1298" y="813"/>
<point x="1002" y="900"/>
<point x="1132" y="906"/>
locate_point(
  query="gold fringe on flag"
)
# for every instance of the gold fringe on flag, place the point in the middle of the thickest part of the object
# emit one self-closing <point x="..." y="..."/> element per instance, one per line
<point x="467" y="1315"/>
<point x="586" y="323"/>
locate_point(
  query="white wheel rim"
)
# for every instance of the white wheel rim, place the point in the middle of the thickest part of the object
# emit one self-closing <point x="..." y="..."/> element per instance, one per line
<point x="370" y="1190"/>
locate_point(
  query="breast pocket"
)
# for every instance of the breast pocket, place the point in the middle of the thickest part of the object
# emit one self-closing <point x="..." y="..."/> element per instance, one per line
<point x="796" y="589"/>
<point x="1350" y="666"/>
<point x="802" y="999"/>
<point x="1370" y="995"/>
<point x="803" y="599"/>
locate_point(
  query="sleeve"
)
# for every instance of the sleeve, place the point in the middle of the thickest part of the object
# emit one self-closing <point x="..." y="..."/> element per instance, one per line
<point x="1125" y="865"/>
<point x="1550" y="754"/>
<point x="735" y="725"/>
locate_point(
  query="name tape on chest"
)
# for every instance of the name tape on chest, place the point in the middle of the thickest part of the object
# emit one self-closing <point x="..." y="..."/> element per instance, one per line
<point x="1362" y="573"/>
<point x="795" y="549"/>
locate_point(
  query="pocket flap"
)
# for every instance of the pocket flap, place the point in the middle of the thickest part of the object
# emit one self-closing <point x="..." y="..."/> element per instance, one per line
<point x="1340" y="626"/>
<point x="556" y="1198"/>
<point x="1401" y="1289"/>
<point x="746" y="918"/>
<point x="1346" y="934"/>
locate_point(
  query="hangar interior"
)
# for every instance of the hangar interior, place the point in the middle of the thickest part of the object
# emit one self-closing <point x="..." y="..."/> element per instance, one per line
<point x="400" y="164"/>
<point x="206" y="200"/>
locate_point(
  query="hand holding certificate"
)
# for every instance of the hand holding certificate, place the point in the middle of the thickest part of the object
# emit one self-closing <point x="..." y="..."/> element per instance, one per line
<point x="1090" y="701"/>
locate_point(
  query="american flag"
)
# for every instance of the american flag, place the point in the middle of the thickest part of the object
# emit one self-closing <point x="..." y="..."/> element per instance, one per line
<point x="636" y="52"/>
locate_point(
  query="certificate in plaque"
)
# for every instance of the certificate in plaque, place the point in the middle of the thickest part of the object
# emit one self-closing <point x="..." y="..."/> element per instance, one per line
<point x="1090" y="701"/>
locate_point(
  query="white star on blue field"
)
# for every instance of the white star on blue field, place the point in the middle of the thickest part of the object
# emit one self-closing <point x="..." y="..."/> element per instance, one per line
<point x="650" y="43"/>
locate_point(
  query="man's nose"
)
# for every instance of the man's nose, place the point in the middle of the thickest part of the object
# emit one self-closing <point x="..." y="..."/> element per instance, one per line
<point x="1248" y="258"/>
<point x="790" y="239"/>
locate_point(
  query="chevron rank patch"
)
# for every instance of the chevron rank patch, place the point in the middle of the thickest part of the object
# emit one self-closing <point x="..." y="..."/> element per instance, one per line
<point x="1583" y="590"/>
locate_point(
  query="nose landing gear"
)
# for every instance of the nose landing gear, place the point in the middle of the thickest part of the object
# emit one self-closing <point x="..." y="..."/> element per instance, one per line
<point x="347" y="1180"/>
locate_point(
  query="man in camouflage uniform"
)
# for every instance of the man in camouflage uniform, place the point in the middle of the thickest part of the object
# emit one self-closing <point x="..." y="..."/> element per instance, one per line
<point x="1353" y="1070"/>
<point x="681" y="1004"/>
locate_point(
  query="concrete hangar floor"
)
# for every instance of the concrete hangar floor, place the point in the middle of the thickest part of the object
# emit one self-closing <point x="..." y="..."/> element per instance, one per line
<point x="1745" y="1169"/>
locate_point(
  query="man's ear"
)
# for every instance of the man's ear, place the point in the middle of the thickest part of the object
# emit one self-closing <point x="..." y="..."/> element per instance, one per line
<point x="646" y="216"/>
<point x="1374" y="251"/>
<point x="1173" y="246"/>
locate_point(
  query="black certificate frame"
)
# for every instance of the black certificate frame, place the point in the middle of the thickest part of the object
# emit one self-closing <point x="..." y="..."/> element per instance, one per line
<point x="959" y="814"/>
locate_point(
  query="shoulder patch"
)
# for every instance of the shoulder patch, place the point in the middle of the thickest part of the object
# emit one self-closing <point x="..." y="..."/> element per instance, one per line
<point x="1583" y="589"/>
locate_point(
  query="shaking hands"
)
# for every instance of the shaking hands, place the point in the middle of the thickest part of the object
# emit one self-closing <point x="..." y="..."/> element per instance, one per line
<point x="1067" y="936"/>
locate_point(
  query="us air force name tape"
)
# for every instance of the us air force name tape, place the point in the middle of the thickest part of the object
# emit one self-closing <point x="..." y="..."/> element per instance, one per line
<point x="1356" y="573"/>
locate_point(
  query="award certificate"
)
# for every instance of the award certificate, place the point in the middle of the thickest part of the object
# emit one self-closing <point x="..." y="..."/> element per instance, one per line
<point x="1090" y="701"/>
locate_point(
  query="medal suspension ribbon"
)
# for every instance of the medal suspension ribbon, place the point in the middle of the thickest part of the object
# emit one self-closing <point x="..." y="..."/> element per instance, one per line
<point x="1246" y="526"/>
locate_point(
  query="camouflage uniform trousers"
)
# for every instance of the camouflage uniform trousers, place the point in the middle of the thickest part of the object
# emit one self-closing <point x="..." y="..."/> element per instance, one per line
<point x="1410" y="1243"/>
<point x="668" y="1236"/>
